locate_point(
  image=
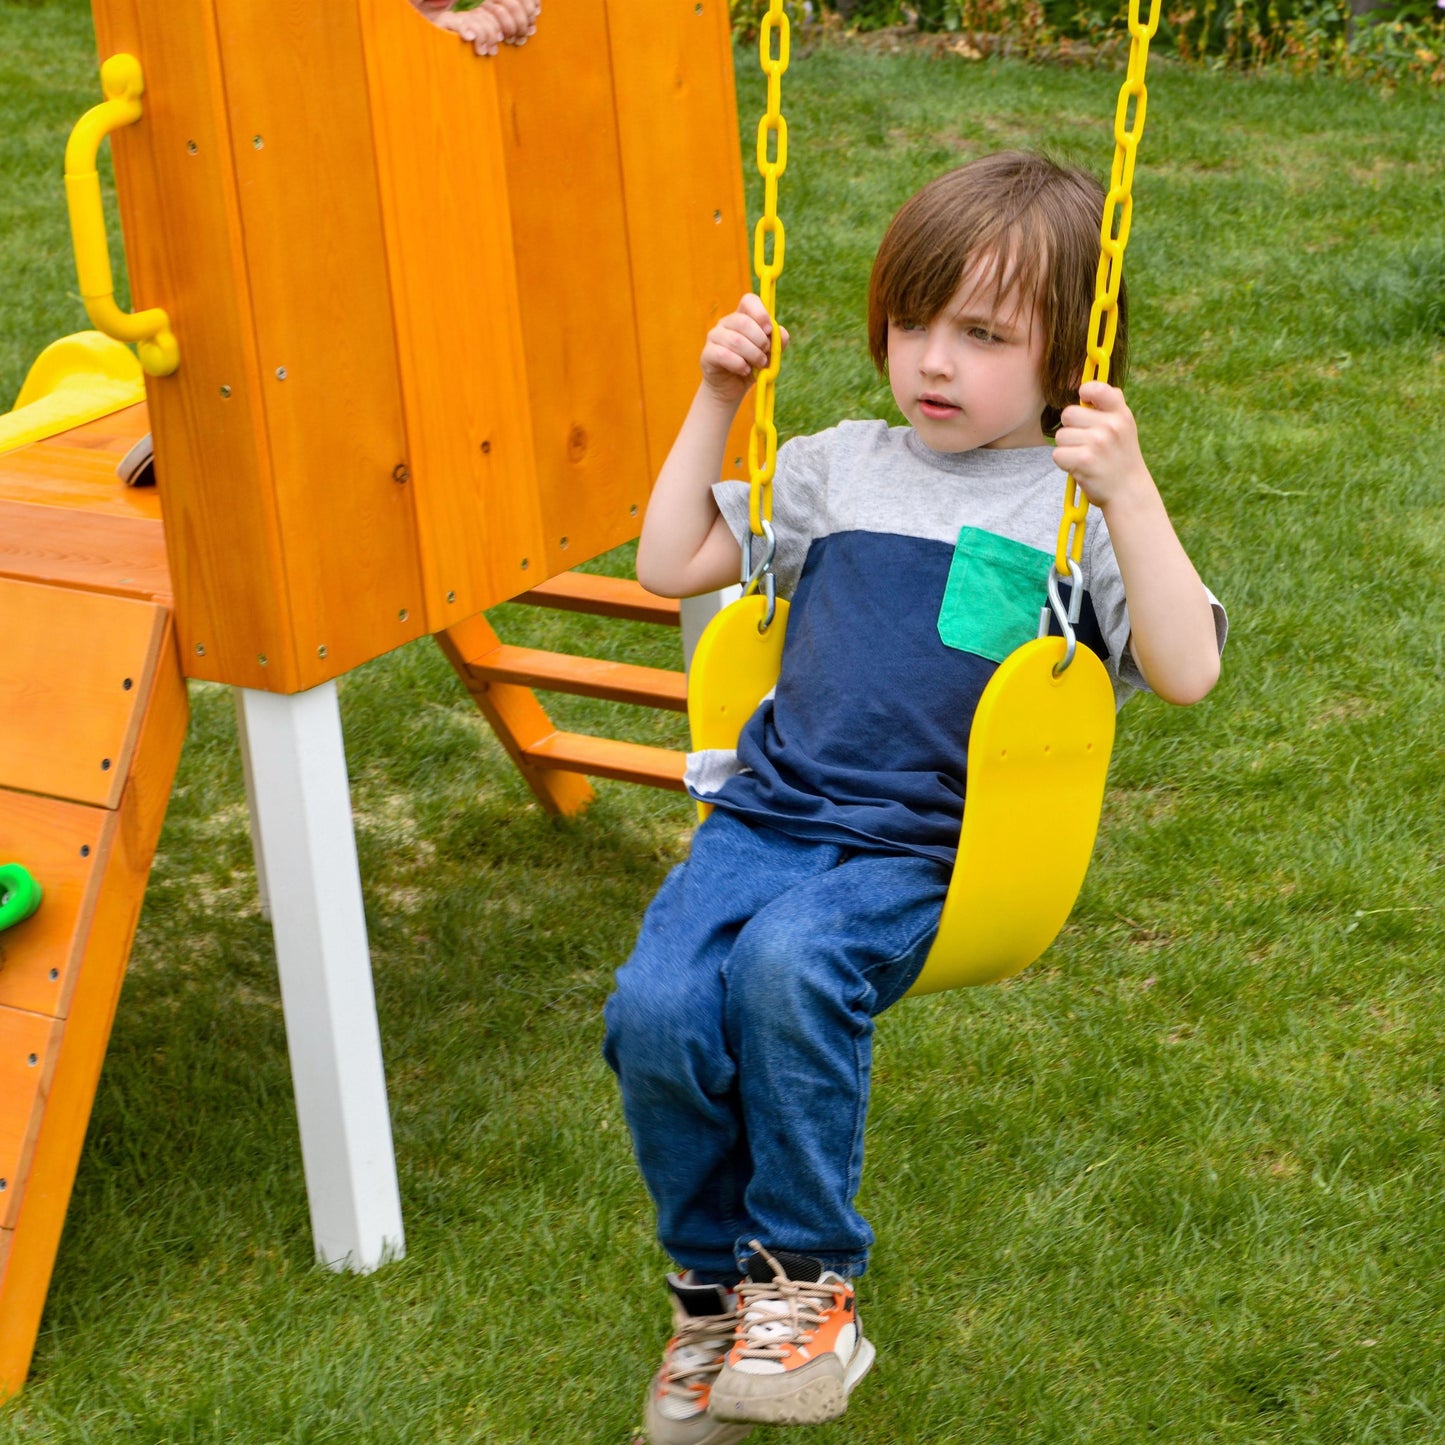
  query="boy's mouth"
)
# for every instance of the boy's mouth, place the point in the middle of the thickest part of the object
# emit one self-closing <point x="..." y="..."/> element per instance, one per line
<point x="937" y="407"/>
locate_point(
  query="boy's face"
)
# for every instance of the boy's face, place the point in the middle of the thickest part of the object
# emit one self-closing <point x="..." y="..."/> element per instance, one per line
<point x="973" y="376"/>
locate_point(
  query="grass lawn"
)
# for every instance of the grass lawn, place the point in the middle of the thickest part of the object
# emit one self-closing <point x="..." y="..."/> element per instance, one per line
<point x="1180" y="1181"/>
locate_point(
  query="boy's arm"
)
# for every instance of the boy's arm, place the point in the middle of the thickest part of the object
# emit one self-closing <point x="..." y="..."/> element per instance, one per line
<point x="686" y="547"/>
<point x="1172" y="624"/>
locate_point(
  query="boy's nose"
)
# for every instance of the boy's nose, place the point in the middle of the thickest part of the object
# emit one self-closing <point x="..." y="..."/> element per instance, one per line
<point x="935" y="360"/>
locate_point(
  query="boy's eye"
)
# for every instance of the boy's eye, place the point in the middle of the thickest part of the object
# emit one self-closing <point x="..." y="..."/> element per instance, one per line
<point x="981" y="333"/>
<point x="908" y="325"/>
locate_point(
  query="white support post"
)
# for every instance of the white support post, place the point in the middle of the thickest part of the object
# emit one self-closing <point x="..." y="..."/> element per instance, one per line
<point x="697" y="612"/>
<point x="302" y="810"/>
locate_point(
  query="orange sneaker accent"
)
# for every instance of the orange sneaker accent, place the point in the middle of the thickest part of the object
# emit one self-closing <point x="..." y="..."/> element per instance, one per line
<point x="799" y="1349"/>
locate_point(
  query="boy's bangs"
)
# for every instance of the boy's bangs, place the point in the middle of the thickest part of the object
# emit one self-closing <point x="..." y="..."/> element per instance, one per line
<point x="1006" y="257"/>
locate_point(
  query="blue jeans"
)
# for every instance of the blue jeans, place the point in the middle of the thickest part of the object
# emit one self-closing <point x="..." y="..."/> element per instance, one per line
<point x="741" y="1032"/>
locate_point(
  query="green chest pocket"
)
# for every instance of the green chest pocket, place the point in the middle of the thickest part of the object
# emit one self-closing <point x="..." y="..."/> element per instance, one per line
<point x="996" y="589"/>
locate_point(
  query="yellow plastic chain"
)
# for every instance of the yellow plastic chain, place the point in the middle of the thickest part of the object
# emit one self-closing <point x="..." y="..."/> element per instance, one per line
<point x="772" y="162"/>
<point x="1113" y="237"/>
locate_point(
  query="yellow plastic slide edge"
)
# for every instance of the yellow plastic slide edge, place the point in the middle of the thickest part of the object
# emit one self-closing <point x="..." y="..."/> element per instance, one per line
<point x="74" y="380"/>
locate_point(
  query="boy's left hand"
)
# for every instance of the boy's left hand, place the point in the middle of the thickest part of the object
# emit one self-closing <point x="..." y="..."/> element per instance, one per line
<point x="479" y="28"/>
<point x="1098" y="444"/>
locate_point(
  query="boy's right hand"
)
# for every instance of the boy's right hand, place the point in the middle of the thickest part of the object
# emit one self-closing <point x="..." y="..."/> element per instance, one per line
<point x="737" y="348"/>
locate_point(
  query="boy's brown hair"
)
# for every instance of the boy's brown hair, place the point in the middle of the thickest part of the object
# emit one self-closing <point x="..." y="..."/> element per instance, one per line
<point x="1034" y="225"/>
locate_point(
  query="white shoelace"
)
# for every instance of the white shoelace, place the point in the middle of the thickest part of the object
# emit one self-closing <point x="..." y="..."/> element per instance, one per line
<point x="696" y="1354"/>
<point x="780" y="1313"/>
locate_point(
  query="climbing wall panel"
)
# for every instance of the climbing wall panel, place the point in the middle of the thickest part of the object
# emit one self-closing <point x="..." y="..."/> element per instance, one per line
<point x="65" y="844"/>
<point x="29" y="1044"/>
<point x="91" y="849"/>
<point x="70" y="675"/>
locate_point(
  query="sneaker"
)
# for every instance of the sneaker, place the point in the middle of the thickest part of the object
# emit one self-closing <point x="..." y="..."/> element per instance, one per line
<point x="799" y="1348"/>
<point x="706" y="1318"/>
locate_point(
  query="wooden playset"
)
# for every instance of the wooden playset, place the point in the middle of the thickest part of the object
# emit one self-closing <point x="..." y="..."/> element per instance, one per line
<point x="419" y="328"/>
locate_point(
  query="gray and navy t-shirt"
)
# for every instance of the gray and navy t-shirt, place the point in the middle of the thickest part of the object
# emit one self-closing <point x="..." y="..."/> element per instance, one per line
<point x="912" y="574"/>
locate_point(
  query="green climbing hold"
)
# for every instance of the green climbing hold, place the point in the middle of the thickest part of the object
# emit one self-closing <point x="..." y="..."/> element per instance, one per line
<point x="19" y="894"/>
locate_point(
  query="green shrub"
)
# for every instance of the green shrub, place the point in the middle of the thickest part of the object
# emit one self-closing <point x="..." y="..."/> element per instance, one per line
<point x="1395" y="40"/>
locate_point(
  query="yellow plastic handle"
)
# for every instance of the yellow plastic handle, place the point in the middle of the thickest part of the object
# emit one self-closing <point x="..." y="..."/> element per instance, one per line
<point x="155" y="343"/>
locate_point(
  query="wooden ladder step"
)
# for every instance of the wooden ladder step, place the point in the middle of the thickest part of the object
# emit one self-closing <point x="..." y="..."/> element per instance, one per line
<point x="584" y="676"/>
<point x="602" y="597"/>
<point x="608" y="758"/>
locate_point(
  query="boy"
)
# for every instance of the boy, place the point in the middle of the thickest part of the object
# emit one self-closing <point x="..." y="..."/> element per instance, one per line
<point x="741" y="1027"/>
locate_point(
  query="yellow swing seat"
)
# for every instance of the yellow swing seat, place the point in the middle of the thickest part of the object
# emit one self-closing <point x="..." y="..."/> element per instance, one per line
<point x="734" y="666"/>
<point x="1038" y="755"/>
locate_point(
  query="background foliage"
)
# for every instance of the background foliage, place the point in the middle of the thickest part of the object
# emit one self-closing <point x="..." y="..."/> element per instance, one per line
<point x="1397" y="39"/>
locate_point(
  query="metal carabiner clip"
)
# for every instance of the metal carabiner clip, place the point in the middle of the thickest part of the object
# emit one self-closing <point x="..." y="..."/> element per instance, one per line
<point x="1067" y="617"/>
<point x="761" y="576"/>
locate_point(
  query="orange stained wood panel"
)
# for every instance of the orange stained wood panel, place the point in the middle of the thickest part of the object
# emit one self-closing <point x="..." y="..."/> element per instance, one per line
<point x="302" y="147"/>
<point x="575" y="282"/>
<point x="176" y="187"/>
<point x="115" y="433"/>
<point x="72" y="672"/>
<point x="682" y="173"/>
<point x="434" y="111"/>
<point x="28" y="1045"/>
<point x="98" y="553"/>
<point x="26" y="1262"/>
<point x="65" y="847"/>
<point x="80" y="478"/>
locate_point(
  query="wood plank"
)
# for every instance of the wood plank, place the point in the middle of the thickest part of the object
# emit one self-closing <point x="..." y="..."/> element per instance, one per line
<point x="65" y="846"/>
<point x="32" y="1247"/>
<point x="574" y="275"/>
<point x="115" y="433"/>
<point x="603" y="597"/>
<point x="437" y="127"/>
<point x="79" y="478"/>
<point x="72" y="673"/>
<point x="95" y="552"/>
<point x="516" y="716"/>
<point x="608" y="758"/>
<point x="585" y="676"/>
<point x="176" y="188"/>
<point x="321" y="308"/>
<point x="683" y="183"/>
<point x="29" y="1044"/>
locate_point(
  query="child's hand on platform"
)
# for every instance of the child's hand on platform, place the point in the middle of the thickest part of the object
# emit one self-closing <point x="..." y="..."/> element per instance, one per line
<point x="488" y="26"/>
<point x="1098" y="445"/>
<point x="518" y="18"/>
<point x="478" y="28"/>
<point x="737" y="348"/>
